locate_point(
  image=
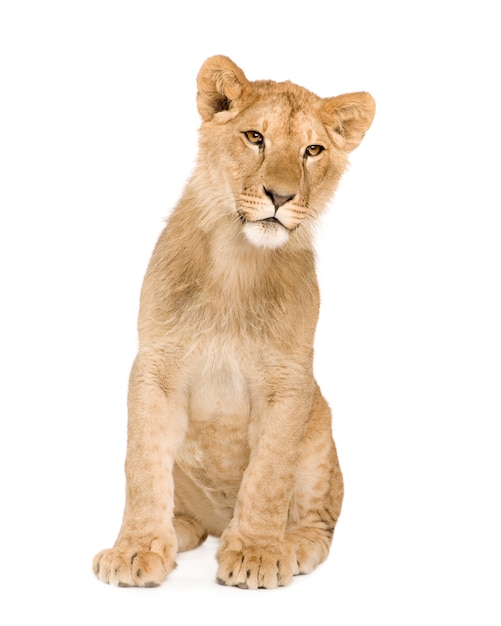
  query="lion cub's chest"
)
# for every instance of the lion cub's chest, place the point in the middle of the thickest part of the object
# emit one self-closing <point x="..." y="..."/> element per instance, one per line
<point x="215" y="451"/>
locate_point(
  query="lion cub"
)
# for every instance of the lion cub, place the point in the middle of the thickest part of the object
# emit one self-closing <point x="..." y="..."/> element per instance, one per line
<point x="228" y="433"/>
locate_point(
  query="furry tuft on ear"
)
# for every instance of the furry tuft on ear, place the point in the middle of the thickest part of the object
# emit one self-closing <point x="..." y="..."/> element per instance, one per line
<point x="350" y="115"/>
<point x="219" y="82"/>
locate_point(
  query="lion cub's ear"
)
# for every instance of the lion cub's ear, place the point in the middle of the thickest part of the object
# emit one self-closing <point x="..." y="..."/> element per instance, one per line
<point x="219" y="82"/>
<point x="349" y="115"/>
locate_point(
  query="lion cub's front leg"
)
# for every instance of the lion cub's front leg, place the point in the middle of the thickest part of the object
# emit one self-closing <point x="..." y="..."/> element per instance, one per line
<point x="254" y="552"/>
<point x="146" y="548"/>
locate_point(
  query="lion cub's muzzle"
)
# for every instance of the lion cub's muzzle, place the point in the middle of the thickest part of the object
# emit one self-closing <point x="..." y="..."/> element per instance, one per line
<point x="269" y="217"/>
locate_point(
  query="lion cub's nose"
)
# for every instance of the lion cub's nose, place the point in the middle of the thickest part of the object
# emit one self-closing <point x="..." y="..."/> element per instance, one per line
<point x="277" y="199"/>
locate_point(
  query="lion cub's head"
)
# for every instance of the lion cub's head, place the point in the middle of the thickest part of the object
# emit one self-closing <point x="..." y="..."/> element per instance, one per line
<point x="276" y="151"/>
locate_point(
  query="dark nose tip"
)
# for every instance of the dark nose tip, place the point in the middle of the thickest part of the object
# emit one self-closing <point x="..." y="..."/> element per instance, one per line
<point x="277" y="199"/>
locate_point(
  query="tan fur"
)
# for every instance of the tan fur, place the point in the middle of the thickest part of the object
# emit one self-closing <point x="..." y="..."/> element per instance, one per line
<point x="228" y="433"/>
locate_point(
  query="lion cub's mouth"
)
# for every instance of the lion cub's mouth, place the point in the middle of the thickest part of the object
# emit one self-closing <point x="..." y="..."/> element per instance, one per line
<point x="264" y="221"/>
<point x="273" y="220"/>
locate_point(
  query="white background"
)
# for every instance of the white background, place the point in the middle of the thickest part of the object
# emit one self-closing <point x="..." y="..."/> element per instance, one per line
<point x="97" y="138"/>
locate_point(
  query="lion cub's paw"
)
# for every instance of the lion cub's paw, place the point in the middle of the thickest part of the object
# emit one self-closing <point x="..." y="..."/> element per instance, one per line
<point x="129" y="567"/>
<point x="256" y="566"/>
<point x="311" y="546"/>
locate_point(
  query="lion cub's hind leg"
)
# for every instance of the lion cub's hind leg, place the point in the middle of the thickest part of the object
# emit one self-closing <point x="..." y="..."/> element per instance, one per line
<point x="193" y="513"/>
<point x="190" y="534"/>
<point x="318" y="492"/>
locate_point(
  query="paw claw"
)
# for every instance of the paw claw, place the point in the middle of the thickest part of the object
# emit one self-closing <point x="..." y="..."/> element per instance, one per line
<point x="256" y="567"/>
<point x="137" y="569"/>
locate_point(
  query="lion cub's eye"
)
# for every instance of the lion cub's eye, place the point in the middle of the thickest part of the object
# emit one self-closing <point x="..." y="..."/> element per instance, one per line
<point x="254" y="137"/>
<point x="314" y="150"/>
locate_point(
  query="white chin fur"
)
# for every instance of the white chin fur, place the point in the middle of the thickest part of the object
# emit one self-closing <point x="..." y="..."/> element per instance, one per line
<point x="266" y="235"/>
